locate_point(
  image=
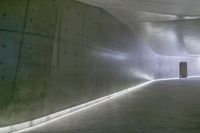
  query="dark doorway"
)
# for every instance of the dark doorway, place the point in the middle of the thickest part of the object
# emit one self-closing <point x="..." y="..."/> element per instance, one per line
<point x="183" y="70"/>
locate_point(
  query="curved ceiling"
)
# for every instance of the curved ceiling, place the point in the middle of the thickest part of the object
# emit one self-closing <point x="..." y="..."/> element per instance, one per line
<point x="169" y="27"/>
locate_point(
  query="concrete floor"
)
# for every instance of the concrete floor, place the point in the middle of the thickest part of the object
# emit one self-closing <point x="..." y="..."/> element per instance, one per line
<point x="162" y="107"/>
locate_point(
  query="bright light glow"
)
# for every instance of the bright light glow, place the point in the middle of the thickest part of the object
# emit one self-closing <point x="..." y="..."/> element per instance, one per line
<point x="191" y="17"/>
<point x="111" y="54"/>
<point x="161" y="37"/>
<point x="150" y="16"/>
<point x="140" y="74"/>
<point x="59" y="115"/>
<point x="176" y="78"/>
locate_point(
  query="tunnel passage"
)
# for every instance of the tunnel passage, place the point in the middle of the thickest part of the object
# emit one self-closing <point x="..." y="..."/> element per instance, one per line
<point x="59" y="54"/>
<point x="56" y="54"/>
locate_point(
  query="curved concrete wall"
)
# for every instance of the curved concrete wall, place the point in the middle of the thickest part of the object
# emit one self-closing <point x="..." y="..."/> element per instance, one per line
<point x="173" y="38"/>
<point x="60" y="53"/>
<point x="170" y="28"/>
<point x="55" y="54"/>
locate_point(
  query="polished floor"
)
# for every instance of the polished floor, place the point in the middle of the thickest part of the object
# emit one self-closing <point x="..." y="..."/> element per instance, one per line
<point x="162" y="107"/>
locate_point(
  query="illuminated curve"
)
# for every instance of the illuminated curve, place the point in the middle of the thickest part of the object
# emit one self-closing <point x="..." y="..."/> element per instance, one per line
<point x="64" y="113"/>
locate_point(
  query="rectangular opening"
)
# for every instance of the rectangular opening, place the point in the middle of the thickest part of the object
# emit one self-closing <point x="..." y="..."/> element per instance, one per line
<point x="183" y="70"/>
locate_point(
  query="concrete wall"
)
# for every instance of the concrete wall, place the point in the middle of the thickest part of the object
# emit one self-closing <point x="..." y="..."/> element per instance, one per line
<point x="175" y="38"/>
<point x="55" y="54"/>
<point x="59" y="53"/>
<point x="169" y="66"/>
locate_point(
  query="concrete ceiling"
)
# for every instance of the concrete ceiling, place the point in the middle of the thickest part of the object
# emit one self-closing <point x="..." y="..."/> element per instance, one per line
<point x="170" y="27"/>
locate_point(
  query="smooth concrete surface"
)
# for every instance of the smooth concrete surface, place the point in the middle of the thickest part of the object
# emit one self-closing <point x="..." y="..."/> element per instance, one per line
<point x="168" y="66"/>
<point x="161" y="107"/>
<point x="175" y="7"/>
<point x="171" y="26"/>
<point x="173" y="38"/>
<point x="57" y="54"/>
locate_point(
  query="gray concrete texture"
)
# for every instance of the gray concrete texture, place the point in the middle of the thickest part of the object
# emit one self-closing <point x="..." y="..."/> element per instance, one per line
<point x="171" y="27"/>
<point x="173" y="38"/>
<point x="160" y="107"/>
<point x="55" y="54"/>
